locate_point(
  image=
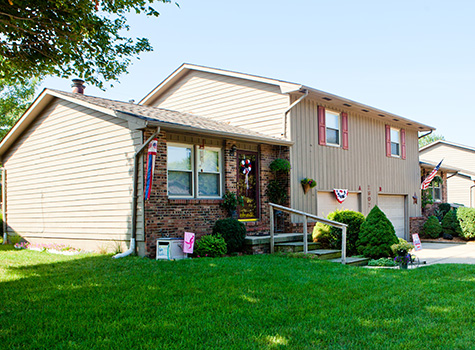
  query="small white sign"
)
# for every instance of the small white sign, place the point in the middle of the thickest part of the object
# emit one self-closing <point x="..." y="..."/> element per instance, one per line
<point x="417" y="242"/>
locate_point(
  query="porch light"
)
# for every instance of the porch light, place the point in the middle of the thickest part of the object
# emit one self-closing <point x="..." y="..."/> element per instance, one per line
<point x="232" y="151"/>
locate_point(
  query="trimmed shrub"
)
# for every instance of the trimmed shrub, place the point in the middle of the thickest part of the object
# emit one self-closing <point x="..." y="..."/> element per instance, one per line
<point x="233" y="232"/>
<point x="210" y="246"/>
<point x="279" y="164"/>
<point x="466" y="219"/>
<point x="330" y="236"/>
<point x="432" y="227"/>
<point x="450" y="224"/>
<point x="377" y="235"/>
<point x="444" y="208"/>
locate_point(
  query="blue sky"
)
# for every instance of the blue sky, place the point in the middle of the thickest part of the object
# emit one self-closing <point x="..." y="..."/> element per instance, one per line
<point x="412" y="58"/>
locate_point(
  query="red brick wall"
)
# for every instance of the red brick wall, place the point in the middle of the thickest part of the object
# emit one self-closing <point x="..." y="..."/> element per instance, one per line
<point x="172" y="217"/>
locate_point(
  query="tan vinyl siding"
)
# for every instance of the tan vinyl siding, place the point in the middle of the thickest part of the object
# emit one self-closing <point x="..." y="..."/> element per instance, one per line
<point x="69" y="178"/>
<point x="363" y="168"/>
<point x="458" y="190"/>
<point x="249" y="104"/>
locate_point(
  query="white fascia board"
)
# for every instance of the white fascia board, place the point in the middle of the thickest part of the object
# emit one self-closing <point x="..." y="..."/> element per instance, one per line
<point x="449" y="143"/>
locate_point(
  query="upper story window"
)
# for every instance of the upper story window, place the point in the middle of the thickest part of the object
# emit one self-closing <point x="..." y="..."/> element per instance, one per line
<point x="332" y="123"/>
<point x="194" y="172"/>
<point x="395" y="142"/>
<point x="332" y="128"/>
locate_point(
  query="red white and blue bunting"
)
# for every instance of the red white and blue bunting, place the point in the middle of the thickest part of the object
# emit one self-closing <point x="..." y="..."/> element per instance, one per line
<point x="152" y="154"/>
<point x="340" y="194"/>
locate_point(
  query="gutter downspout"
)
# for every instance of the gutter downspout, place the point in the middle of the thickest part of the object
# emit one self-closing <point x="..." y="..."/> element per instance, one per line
<point x="430" y="132"/>
<point x="305" y="91"/>
<point x="471" y="196"/>
<point x="133" y="235"/>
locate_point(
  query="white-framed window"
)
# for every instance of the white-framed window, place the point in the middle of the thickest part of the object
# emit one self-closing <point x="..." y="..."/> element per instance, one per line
<point x="333" y="127"/>
<point x="194" y="172"/>
<point x="395" y="142"/>
<point x="436" y="189"/>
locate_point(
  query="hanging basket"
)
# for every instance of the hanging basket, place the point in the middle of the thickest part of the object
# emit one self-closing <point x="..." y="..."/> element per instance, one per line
<point x="306" y="188"/>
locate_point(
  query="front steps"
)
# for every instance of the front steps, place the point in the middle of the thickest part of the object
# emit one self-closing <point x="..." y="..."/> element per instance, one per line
<point x="293" y="243"/>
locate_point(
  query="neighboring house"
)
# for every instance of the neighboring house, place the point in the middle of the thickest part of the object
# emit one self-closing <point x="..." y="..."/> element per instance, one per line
<point x="340" y="143"/>
<point x="69" y="165"/>
<point x="459" y="162"/>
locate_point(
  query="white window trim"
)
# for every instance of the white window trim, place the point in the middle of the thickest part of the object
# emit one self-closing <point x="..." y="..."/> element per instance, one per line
<point x="339" y="129"/>
<point x="182" y="145"/>
<point x="194" y="171"/>
<point x="220" y="166"/>
<point x="398" y="142"/>
<point x="432" y="188"/>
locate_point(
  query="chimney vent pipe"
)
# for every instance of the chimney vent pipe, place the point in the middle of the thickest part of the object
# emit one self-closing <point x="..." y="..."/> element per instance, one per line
<point x="78" y="86"/>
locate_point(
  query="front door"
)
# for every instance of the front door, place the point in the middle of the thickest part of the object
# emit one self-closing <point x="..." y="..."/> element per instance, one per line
<point x="248" y="184"/>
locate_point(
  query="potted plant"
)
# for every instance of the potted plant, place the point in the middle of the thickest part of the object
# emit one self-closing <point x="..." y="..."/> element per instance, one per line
<point x="230" y="203"/>
<point x="307" y="184"/>
<point x="401" y="251"/>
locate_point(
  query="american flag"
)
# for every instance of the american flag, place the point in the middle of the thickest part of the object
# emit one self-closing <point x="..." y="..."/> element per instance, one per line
<point x="425" y="184"/>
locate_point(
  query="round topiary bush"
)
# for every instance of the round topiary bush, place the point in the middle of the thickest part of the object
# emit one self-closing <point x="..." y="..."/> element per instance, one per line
<point x="466" y="219"/>
<point x="377" y="235"/>
<point x="450" y="224"/>
<point x="432" y="227"/>
<point x="210" y="246"/>
<point x="233" y="232"/>
<point x="330" y="236"/>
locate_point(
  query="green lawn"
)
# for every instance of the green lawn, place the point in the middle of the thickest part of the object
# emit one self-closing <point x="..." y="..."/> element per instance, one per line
<point x="249" y="302"/>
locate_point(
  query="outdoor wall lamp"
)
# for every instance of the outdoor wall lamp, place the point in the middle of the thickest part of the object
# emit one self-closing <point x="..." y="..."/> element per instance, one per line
<point x="232" y="151"/>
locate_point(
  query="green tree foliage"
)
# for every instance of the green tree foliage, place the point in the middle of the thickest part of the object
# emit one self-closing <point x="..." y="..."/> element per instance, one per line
<point x="432" y="227"/>
<point x="59" y="37"/>
<point x="210" y="246"/>
<point x="14" y="100"/>
<point x="233" y="232"/>
<point x="377" y="235"/>
<point x="450" y="224"/>
<point x="466" y="219"/>
<point x="424" y="141"/>
<point x="331" y="236"/>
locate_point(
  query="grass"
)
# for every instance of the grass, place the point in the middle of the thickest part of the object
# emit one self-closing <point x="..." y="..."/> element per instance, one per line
<point x="244" y="302"/>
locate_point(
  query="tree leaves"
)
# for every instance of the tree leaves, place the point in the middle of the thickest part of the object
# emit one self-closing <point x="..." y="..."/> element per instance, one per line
<point x="62" y="38"/>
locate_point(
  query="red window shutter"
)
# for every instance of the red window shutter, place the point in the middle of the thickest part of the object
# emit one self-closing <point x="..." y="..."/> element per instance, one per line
<point x="388" y="141"/>
<point x="344" y="127"/>
<point x="403" y="143"/>
<point x="322" y="139"/>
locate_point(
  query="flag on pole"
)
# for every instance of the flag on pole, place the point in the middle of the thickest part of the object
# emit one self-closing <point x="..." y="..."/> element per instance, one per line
<point x="425" y="184"/>
<point x="152" y="154"/>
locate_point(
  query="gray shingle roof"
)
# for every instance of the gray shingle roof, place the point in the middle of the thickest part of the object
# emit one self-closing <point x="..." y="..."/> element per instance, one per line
<point x="171" y="118"/>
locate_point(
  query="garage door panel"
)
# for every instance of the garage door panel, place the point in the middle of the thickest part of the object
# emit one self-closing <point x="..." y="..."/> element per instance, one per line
<point x="393" y="207"/>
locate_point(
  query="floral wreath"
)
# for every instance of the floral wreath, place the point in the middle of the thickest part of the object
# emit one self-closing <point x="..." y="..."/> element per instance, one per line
<point x="246" y="168"/>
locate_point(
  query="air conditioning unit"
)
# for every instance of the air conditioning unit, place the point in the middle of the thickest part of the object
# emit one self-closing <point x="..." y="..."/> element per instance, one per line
<point x="170" y="249"/>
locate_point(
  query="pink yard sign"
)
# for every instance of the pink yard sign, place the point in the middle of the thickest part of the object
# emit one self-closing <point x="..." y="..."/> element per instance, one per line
<point x="189" y="242"/>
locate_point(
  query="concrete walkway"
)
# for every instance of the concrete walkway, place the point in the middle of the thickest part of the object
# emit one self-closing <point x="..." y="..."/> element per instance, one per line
<point x="446" y="253"/>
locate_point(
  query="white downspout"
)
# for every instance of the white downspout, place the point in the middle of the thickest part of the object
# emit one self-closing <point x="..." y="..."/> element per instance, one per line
<point x="134" y="198"/>
<point x="305" y="93"/>
<point x="4" y="205"/>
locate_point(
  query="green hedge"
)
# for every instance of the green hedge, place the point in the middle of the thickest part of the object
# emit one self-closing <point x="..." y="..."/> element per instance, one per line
<point x="210" y="246"/>
<point x="450" y="224"/>
<point x="330" y="236"/>
<point x="377" y="235"/>
<point x="466" y="219"/>
<point x="233" y="232"/>
<point x="432" y="227"/>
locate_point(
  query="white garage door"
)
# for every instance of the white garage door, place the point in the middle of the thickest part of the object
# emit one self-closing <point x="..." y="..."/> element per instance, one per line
<point x="327" y="203"/>
<point x="393" y="207"/>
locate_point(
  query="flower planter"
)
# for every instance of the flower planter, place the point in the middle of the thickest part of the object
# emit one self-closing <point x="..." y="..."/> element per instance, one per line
<point x="306" y="188"/>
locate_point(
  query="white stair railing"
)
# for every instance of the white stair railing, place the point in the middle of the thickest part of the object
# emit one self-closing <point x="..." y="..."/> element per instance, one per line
<point x="343" y="227"/>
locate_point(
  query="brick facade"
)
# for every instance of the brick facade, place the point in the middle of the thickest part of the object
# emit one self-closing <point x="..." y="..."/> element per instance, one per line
<point x="167" y="217"/>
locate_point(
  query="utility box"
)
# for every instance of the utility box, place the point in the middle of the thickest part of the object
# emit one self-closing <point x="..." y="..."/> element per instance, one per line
<point x="170" y="249"/>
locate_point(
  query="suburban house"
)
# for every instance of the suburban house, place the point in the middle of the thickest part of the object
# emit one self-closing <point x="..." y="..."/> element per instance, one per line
<point x="457" y="172"/>
<point x="69" y="165"/>
<point x="340" y="143"/>
<point x="70" y="175"/>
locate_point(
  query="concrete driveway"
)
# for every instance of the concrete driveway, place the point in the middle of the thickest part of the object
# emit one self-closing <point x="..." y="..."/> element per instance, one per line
<point x="446" y="253"/>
